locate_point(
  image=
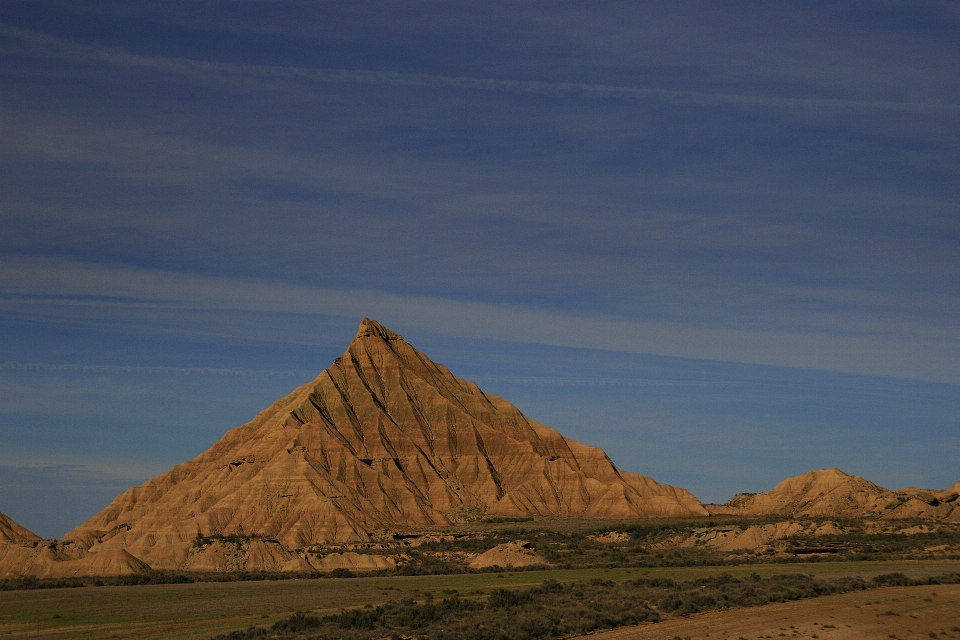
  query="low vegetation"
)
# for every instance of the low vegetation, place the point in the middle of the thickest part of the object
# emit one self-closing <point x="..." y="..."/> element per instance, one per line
<point x="154" y="577"/>
<point x="649" y="544"/>
<point x="202" y="541"/>
<point x="554" y="609"/>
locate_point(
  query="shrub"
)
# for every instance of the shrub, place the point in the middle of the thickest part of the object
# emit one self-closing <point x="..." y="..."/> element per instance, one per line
<point x="341" y="572"/>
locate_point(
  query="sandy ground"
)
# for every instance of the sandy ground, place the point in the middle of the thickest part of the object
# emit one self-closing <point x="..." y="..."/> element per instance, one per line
<point x="892" y="612"/>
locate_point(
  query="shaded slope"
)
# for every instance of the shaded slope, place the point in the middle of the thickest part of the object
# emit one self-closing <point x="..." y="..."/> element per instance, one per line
<point x="10" y="531"/>
<point x="384" y="439"/>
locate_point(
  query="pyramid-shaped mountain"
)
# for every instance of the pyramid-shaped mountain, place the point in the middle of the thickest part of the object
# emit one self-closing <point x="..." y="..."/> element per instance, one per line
<point x="385" y="439"/>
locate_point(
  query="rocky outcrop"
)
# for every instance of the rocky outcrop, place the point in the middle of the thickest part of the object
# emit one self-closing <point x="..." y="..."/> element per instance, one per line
<point x="511" y="554"/>
<point x="754" y="537"/>
<point x="33" y="559"/>
<point x="353" y="562"/>
<point x="252" y="554"/>
<point x="833" y="493"/>
<point x="106" y="562"/>
<point x="23" y="553"/>
<point x="384" y="439"/>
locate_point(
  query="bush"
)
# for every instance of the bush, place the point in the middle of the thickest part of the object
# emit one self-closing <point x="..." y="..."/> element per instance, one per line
<point x="501" y="598"/>
<point x="892" y="580"/>
<point x="297" y="622"/>
<point x="341" y="572"/>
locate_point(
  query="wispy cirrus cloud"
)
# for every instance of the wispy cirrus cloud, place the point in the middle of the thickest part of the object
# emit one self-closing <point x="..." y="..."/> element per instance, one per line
<point x="80" y="486"/>
<point x="33" y="43"/>
<point x="84" y="470"/>
<point x="883" y="349"/>
<point x="50" y="367"/>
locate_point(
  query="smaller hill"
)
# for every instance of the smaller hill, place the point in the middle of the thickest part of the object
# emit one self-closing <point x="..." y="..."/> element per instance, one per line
<point x="512" y="554"/>
<point x="10" y="531"/>
<point x="833" y="493"/>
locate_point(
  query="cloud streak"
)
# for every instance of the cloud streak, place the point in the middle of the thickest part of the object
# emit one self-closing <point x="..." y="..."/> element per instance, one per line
<point x="34" y="43"/>
<point x="81" y="468"/>
<point x="933" y="356"/>
<point x="106" y="368"/>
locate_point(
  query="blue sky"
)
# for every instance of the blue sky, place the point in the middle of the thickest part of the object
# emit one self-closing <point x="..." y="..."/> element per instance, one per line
<point x="719" y="239"/>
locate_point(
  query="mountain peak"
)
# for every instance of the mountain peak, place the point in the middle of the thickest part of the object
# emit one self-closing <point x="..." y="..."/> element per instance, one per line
<point x="370" y="328"/>
<point x="383" y="440"/>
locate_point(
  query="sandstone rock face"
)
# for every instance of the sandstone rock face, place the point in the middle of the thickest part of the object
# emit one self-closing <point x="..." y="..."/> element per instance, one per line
<point x="50" y="559"/>
<point x="384" y="439"/>
<point x="831" y="492"/>
<point x="21" y="551"/>
<point x="31" y="559"/>
<point x="511" y="554"/>
<point x="243" y="555"/>
<point x="107" y="562"/>
<point x="10" y="531"/>
<point x="353" y="561"/>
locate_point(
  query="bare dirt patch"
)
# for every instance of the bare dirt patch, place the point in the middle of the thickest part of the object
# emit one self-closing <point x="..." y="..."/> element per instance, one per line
<point x="887" y="613"/>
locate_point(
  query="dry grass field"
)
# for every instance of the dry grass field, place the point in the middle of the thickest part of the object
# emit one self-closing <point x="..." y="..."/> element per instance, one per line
<point x="200" y="610"/>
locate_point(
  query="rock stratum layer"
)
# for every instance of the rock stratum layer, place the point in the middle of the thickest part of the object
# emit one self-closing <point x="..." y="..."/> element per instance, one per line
<point x="833" y="493"/>
<point x="383" y="440"/>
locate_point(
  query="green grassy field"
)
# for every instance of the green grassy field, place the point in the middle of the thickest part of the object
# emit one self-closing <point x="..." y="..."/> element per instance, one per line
<point x="200" y="610"/>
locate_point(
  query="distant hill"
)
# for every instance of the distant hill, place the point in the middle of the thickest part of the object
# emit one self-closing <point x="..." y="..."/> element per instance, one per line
<point x="831" y="492"/>
<point x="10" y="531"/>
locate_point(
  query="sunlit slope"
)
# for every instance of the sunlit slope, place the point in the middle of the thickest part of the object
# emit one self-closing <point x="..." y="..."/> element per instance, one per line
<point x="383" y="439"/>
